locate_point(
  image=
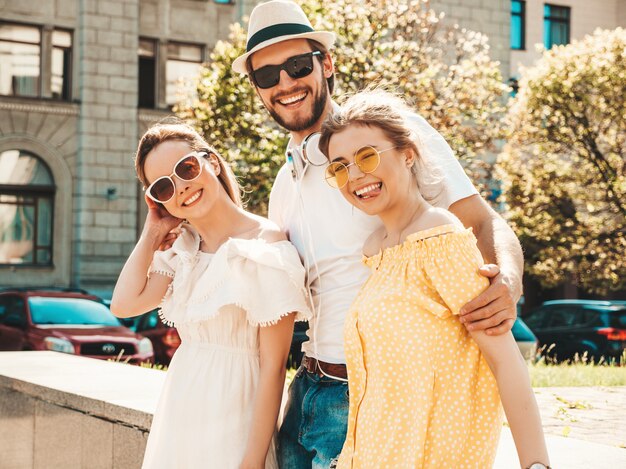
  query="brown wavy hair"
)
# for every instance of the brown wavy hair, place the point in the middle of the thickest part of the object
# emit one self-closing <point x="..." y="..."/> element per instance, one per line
<point x="181" y="132"/>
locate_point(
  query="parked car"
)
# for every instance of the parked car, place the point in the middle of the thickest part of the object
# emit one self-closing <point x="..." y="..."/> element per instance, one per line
<point x="67" y="321"/>
<point x="597" y="328"/>
<point x="130" y="322"/>
<point x="165" y="339"/>
<point x="295" y="351"/>
<point x="525" y="339"/>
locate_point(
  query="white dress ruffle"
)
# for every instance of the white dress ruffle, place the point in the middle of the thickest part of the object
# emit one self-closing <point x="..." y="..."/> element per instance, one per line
<point x="218" y="302"/>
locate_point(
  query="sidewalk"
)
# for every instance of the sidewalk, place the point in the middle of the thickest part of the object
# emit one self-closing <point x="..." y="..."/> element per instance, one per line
<point x="585" y="428"/>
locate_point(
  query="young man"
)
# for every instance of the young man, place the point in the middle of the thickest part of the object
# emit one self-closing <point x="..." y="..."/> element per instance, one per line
<point x="289" y="65"/>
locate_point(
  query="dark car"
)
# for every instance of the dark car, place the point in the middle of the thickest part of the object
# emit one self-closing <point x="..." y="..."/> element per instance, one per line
<point x="68" y="322"/>
<point x="597" y="328"/>
<point x="295" y="351"/>
<point x="526" y="341"/>
<point x="165" y="339"/>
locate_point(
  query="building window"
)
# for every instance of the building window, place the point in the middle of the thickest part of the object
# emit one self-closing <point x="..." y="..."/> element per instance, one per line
<point x="147" y="73"/>
<point x="21" y="73"/>
<point x="514" y="84"/>
<point x="518" y="25"/>
<point x="556" y="25"/>
<point x="61" y="63"/>
<point x="183" y="65"/>
<point x="26" y="209"/>
<point x="20" y="56"/>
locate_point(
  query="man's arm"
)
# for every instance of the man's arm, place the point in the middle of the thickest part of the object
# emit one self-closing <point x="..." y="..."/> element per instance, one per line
<point x="495" y="309"/>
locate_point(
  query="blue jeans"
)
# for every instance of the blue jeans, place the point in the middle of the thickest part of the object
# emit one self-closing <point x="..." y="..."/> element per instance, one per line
<point x="315" y="422"/>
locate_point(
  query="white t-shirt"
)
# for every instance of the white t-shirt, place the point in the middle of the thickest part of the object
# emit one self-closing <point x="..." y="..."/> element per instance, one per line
<point x="329" y="234"/>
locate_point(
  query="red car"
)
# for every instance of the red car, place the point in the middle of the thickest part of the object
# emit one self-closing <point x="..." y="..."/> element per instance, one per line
<point x="68" y="322"/>
<point x="165" y="339"/>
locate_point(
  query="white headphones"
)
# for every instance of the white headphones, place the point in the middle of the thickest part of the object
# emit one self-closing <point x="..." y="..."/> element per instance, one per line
<point x="307" y="153"/>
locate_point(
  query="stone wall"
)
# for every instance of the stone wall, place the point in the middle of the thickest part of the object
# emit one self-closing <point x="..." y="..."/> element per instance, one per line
<point x="491" y="17"/>
<point x="105" y="195"/>
<point x="621" y="13"/>
<point x="63" y="411"/>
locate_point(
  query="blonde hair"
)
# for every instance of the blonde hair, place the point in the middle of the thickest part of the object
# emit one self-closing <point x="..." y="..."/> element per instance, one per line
<point x="390" y="113"/>
<point x="179" y="131"/>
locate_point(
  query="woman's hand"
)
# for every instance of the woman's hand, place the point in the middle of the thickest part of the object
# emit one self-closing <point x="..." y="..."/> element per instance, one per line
<point x="159" y="225"/>
<point x="135" y="292"/>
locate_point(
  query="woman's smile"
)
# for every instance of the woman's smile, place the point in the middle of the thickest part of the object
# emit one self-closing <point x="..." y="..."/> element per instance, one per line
<point x="369" y="191"/>
<point x="193" y="199"/>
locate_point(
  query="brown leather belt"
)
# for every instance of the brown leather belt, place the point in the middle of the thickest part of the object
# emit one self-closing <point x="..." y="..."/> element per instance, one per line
<point x="332" y="369"/>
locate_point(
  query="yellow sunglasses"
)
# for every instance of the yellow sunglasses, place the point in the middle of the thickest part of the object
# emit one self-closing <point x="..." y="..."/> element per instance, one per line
<point x="366" y="159"/>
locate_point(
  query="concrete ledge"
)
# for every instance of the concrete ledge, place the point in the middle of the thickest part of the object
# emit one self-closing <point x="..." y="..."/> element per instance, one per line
<point x="64" y="411"/>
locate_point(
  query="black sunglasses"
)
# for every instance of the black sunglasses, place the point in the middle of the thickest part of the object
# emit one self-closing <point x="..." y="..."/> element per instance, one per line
<point x="298" y="66"/>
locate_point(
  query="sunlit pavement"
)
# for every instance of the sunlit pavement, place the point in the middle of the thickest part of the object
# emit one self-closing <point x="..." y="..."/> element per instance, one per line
<point x="565" y="453"/>
<point x="585" y="428"/>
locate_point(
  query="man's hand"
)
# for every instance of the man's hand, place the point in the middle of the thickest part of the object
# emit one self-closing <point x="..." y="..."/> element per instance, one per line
<point x="495" y="309"/>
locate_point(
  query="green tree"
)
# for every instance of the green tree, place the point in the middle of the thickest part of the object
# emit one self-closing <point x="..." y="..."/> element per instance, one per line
<point x="564" y="164"/>
<point x="444" y="71"/>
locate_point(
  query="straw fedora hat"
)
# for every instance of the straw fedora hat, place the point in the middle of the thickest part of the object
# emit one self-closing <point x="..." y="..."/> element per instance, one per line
<point x="277" y="21"/>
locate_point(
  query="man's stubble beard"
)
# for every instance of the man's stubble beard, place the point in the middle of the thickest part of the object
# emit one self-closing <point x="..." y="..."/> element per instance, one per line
<point x="319" y="105"/>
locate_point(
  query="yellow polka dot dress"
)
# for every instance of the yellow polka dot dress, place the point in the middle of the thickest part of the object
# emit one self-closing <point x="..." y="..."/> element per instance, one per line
<point x="421" y="393"/>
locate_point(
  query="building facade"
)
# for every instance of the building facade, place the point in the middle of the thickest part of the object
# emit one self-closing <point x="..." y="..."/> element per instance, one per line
<point x="490" y="17"/>
<point x="81" y="80"/>
<point x="535" y="22"/>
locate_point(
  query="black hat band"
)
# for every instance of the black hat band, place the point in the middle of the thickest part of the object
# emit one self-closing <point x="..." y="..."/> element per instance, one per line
<point x="277" y="30"/>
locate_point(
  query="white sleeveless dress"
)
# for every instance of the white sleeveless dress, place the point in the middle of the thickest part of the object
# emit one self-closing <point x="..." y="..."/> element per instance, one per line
<point x="218" y="302"/>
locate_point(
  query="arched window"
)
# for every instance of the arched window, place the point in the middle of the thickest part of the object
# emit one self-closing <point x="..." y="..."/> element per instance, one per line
<point x="26" y="209"/>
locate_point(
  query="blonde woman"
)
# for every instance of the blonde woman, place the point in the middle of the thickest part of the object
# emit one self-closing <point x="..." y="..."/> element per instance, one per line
<point x="424" y="392"/>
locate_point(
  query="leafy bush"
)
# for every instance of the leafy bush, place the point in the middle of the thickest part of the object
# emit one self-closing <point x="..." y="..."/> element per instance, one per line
<point x="564" y="164"/>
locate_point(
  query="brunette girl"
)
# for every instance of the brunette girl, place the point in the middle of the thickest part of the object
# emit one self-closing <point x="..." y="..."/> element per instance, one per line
<point x="232" y="286"/>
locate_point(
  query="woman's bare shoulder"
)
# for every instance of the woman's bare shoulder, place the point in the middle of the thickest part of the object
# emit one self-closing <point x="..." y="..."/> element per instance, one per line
<point x="432" y="218"/>
<point x="373" y="243"/>
<point x="269" y="231"/>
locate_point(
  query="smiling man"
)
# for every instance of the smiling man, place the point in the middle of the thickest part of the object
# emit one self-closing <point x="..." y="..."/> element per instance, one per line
<point x="296" y="104"/>
<point x="290" y="66"/>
